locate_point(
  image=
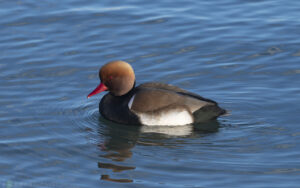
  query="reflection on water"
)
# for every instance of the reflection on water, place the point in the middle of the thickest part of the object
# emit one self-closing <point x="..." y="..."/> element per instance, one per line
<point x="115" y="168"/>
<point x="183" y="130"/>
<point x="107" y="178"/>
<point x="121" y="139"/>
<point x="117" y="145"/>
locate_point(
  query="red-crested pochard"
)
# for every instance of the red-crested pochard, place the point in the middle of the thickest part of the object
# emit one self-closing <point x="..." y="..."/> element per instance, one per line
<point x="149" y="103"/>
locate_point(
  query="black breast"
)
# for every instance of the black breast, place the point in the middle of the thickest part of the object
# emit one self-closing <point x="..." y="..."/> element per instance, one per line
<point x="115" y="108"/>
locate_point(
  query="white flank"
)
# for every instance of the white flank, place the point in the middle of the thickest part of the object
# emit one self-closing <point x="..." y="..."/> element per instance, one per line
<point x="131" y="101"/>
<point x="167" y="118"/>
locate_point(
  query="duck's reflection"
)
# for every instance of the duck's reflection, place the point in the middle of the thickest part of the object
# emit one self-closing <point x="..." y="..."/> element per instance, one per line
<point x="117" y="145"/>
<point x="115" y="168"/>
<point x="107" y="178"/>
<point x="169" y="131"/>
<point x="119" y="141"/>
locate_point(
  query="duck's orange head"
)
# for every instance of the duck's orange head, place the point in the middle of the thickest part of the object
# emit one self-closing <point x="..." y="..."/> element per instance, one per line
<point x="117" y="77"/>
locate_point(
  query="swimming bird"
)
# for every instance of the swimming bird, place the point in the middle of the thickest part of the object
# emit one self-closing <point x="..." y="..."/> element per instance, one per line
<point x="149" y="103"/>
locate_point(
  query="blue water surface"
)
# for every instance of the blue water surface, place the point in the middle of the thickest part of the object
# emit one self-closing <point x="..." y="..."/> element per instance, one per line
<point x="243" y="54"/>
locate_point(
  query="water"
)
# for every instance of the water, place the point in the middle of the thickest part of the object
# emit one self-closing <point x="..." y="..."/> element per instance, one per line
<point x="243" y="54"/>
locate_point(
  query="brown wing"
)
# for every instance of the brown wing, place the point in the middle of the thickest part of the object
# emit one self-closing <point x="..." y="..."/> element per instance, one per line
<point x="174" y="89"/>
<point x="151" y="97"/>
<point x="148" y="100"/>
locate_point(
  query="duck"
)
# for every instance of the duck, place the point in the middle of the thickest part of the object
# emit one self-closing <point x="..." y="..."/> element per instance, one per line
<point x="151" y="103"/>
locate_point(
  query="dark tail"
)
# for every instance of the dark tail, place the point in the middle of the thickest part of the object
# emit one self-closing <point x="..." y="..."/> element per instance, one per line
<point x="208" y="112"/>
